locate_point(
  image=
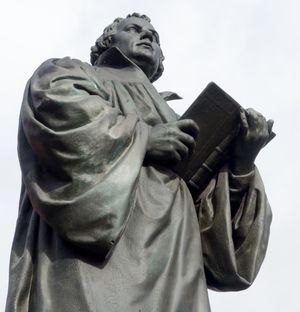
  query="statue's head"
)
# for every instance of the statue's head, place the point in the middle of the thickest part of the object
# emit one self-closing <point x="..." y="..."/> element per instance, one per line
<point x="137" y="39"/>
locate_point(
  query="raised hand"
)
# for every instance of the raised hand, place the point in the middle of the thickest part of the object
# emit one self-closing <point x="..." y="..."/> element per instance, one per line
<point x="254" y="133"/>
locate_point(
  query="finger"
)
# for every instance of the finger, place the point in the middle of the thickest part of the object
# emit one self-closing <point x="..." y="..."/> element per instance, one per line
<point x="252" y="112"/>
<point x="176" y="157"/>
<point x="187" y="140"/>
<point x="181" y="149"/>
<point x="270" y="123"/>
<point x="255" y="119"/>
<point x="244" y="122"/>
<point x="188" y="126"/>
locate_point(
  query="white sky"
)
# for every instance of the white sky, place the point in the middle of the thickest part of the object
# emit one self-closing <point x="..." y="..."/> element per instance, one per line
<point x="251" y="48"/>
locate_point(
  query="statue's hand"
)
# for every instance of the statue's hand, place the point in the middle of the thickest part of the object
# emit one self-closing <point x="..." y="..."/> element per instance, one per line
<point x="169" y="143"/>
<point x="253" y="135"/>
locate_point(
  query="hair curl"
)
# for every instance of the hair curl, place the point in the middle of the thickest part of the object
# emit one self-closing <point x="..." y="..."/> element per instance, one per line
<point x="104" y="41"/>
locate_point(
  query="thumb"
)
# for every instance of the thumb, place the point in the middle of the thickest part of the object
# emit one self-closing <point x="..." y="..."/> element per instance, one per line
<point x="244" y="126"/>
<point x="270" y="123"/>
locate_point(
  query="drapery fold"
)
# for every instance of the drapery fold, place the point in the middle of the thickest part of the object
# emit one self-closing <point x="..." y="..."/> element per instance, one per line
<point x="98" y="229"/>
<point x="83" y="156"/>
<point x="234" y="241"/>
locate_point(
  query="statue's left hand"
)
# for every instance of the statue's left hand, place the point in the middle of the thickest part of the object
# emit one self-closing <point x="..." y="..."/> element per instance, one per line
<point x="253" y="135"/>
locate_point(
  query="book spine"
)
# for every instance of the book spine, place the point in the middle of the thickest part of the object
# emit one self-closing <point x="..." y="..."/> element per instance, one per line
<point x="213" y="162"/>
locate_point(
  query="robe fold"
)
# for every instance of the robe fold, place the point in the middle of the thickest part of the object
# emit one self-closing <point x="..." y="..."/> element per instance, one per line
<point x="98" y="230"/>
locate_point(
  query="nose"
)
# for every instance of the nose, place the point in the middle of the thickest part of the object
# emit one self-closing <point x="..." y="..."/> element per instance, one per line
<point x="146" y="34"/>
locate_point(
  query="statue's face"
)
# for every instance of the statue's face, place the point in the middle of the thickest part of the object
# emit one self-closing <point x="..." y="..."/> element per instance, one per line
<point x="139" y="41"/>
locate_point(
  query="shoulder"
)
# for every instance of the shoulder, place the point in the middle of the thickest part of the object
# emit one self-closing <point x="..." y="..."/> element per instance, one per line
<point x="63" y="65"/>
<point x="66" y="73"/>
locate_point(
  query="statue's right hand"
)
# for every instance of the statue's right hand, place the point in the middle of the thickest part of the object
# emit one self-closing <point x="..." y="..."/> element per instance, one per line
<point x="169" y="143"/>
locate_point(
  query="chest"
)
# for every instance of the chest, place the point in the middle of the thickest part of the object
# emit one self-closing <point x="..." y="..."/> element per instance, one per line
<point x="140" y="98"/>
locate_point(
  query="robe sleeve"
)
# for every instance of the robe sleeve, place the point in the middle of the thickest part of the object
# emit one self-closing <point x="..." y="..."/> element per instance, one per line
<point x="235" y="224"/>
<point x="80" y="156"/>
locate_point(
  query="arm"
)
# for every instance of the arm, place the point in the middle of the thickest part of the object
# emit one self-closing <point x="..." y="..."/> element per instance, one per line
<point x="80" y="156"/>
<point x="234" y="213"/>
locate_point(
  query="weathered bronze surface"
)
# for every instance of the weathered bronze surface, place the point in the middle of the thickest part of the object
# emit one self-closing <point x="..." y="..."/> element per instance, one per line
<point x="104" y="223"/>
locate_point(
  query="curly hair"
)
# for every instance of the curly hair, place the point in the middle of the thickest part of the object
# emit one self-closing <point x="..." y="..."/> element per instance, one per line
<point x="104" y="41"/>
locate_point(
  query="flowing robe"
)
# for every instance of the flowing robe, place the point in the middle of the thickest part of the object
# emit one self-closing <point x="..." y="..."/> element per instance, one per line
<point x="98" y="230"/>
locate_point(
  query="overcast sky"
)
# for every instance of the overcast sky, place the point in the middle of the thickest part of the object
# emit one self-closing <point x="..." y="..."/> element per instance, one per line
<point x="251" y="48"/>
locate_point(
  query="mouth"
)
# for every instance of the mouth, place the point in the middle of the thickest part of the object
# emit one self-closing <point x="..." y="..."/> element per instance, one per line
<point x="145" y="44"/>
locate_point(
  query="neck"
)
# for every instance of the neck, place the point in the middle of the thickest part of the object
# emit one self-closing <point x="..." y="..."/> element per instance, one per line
<point x="148" y="70"/>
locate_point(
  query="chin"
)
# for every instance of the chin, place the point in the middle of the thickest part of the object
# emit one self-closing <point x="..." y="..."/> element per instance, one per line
<point x="142" y="59"/>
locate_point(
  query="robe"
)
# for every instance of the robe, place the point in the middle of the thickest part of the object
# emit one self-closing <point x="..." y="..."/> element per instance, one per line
<point x="99" y="230"/>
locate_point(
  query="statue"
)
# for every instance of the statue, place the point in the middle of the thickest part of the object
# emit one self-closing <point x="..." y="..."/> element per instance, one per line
<point x="104" y="222"/>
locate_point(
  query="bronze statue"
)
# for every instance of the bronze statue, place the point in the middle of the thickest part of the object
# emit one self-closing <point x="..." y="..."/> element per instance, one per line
<point x="105" y="224"/>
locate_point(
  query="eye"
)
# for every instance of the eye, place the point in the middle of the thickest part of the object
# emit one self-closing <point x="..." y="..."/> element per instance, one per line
<point x="156" y="38"/>
<point x="132" y="28"/>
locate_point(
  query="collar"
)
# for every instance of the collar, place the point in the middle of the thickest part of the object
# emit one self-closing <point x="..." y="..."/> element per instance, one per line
<point x="115" y="58"/>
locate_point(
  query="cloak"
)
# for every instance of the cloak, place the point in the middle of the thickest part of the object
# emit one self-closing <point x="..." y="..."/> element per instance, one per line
<point x="98" y="230"/>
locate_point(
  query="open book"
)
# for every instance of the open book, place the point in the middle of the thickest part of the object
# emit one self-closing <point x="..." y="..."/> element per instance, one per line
<point x="218" y="117"/>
